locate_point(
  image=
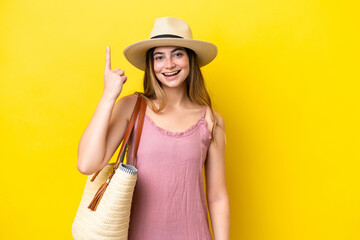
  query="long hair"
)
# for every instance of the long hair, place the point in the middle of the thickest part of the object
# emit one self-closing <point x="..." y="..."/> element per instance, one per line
<point x="195" y="84"/>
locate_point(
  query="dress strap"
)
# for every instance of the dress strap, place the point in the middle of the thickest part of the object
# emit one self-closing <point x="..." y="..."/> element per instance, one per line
<point x="203" y="112"/>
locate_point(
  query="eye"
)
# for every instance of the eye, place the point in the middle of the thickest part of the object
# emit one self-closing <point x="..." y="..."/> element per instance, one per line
<point x="178" y="54"/>
<point x="158" y="58"/>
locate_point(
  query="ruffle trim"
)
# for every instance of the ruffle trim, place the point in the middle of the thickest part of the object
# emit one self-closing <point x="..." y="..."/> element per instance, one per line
<point x="180" y="134"/>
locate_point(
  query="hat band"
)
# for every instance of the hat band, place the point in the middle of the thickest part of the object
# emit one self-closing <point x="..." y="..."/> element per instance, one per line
<point x="166" y="36"/>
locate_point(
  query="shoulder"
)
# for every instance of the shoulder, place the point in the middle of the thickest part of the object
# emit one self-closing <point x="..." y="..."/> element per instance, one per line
<point x="125" y="105"/>
<point x="220" y="120"/>
<point x="210" y="119"/>
<point x="218" y="132"/>
<point x="128" y="99"/>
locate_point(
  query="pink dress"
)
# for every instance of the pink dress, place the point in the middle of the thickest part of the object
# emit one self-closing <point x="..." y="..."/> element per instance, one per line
<point x="169" y="199"/>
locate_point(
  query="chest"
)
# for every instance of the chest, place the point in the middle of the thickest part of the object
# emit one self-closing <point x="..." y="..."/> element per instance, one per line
<point x="175" y="121"/>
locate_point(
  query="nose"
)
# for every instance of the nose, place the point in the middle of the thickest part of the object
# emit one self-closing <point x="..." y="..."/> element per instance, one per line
<point x="169" y="63"/>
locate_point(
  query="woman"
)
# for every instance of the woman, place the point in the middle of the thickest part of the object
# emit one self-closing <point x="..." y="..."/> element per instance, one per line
<point x="181" y="134"/>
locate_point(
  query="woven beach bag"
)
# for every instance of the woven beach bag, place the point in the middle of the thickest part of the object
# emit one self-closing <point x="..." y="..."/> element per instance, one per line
<point x="114" y="185"/>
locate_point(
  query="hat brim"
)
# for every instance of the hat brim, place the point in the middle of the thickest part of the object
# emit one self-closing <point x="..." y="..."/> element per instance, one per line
<point x="136" y="52"/>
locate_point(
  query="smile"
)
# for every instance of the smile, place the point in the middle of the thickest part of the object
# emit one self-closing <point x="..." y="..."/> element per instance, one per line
<point x="171" y="74"/>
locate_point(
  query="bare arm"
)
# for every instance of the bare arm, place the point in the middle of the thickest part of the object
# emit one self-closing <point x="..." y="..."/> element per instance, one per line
<point x="107" y="126"/>
<point x="217" y="196"/>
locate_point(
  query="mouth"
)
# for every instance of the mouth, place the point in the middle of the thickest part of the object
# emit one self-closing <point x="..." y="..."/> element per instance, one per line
<point x="171" y="74"/>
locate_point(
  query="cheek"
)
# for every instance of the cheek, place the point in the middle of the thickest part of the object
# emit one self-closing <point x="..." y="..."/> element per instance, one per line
<point x="187" y="72"/>
<point x="186" y="63"/>
<point x="157" y="71"/>
<point x="187" y="67"/>
<point x="157" y="67"/>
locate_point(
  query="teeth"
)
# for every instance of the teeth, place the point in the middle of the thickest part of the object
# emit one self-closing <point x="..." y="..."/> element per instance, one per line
<point x="170" y="74"/>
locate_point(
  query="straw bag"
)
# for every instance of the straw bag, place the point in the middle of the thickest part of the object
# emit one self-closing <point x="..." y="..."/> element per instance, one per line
<point x="109" y="218"/>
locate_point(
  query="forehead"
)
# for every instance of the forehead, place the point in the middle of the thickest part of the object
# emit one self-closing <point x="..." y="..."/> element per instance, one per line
<point x="167" y="48"/>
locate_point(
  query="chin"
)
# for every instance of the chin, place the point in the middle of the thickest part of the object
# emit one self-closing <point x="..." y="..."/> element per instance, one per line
<point x="172" y="85"/>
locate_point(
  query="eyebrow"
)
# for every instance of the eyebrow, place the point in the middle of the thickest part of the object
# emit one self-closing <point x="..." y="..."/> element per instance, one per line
<point x="171" y="51"/>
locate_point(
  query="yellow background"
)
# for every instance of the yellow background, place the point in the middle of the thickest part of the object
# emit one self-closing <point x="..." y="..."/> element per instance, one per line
<point x="286" y="81"/>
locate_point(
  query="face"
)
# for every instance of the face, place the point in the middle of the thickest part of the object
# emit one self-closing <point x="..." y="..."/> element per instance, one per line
<point x="171" y="66"/>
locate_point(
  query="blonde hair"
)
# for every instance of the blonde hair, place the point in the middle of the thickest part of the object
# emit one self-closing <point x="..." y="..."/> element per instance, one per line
<point x="195" y="86"/>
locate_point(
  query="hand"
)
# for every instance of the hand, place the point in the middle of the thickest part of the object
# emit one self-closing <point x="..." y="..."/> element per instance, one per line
<point x="113" y="79"/>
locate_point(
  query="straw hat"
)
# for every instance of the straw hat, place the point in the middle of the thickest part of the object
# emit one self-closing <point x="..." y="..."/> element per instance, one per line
<point x="170" y="31"/>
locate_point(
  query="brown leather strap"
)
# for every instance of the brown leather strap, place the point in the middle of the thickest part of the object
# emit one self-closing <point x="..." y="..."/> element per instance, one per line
<point x="140" y="101"/>
<point x="129" y="128"/>
<point x="139" y="128"/>
<point x="127" y="133"/>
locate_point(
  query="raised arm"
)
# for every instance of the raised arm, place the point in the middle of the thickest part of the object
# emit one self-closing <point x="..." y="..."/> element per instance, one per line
<point x="107" y="126"/>
<point x="217" y="196"/>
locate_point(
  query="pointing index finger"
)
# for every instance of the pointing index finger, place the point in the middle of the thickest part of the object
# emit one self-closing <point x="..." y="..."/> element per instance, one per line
<point x="107" y="59"/>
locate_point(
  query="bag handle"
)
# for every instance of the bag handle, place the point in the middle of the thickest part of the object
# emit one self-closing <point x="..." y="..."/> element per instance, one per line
<point x="140" y="106"/>
<point x="139" y="128"/>
<point x="127" y="133"/>
<point x="138" y="132"/>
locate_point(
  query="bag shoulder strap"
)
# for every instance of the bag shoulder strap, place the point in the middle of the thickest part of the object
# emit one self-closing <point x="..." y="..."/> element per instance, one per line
<point x="128" y="131"/>
<point x="140" y="101"/>
<point x="139" y="127"/>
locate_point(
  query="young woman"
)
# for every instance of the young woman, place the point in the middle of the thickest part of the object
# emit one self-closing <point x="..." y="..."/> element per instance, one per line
<point x="181" y="135"/>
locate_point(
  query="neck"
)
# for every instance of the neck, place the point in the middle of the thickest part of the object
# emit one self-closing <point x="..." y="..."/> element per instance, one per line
<point x="176" y="97"/>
